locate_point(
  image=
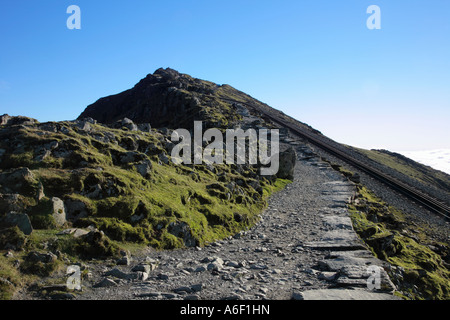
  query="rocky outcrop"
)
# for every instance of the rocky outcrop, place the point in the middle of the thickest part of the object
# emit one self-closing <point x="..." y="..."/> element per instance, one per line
<point x="287" y="160"/>
<point x="165" y="98"/>
<point x="20" y="220"/>
<point x="120" y="178"/>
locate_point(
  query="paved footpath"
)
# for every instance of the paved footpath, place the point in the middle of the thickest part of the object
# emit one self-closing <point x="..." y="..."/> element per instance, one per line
<point x="304" y="247"/>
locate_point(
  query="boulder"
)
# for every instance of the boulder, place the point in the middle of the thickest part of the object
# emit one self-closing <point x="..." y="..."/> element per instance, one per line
<point x="117" y="273"/>
<point x="142" y="267"/>
<point x="129" y="124"/>
<point x="144" y="168"/>
<point x="58" y="211"/>
<point x="4" y="119"/>
<point x="11" y="202"/>
<point x="287" y="161"/>
<point x="145" y="127"/>
<point x="75" y="232"/>
<point x="35" y="256"/>
<point x="183" y="231"/>
<point x="20" y="180"/>
<point x="75" y="210"/>
<point x="21" y="220"/>
<point x="19" y="120"/>
<point x="96" y="245"/>
<point x="216" y="264"/>
<point x="12" y="239"/>
<point x="105" y="283"/>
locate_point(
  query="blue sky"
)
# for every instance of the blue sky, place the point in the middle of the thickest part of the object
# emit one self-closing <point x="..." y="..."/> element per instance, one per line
<point x="315" y="60"/>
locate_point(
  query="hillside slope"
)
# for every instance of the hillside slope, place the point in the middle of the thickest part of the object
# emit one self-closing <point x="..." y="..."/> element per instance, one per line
<point x="92" y="187"/>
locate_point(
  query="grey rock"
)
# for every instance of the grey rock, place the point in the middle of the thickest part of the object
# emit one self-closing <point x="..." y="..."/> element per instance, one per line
<point x="75" y="232"/>
<point x="127" y="123"/>
<point x="21" y="220"/>
<point x="163" y="158"/>
<point x="197" y="287"/>
<point x="169" y="295"/>
<point x="18" y="120"/>
<point x="233" y="264"/>
<point x="20" y="180"/>
<point x="58" y="211"/>
<point x="215" y="265"/>
<point x="163" y="276"/>
<point x="120" y="274"/>
<point x="124" y="261"/>
<point x="142" y="267"/>
<point x="142" y="276"/>
<point x="129" y="157"/>
<point x="145" y="127"/>
<point x="258" y="266"/>
<point x="106" y="283"/>
<point x="144" y="168"/>
<point x="11" y="203"/>
<point x="327" y="276"/>
<point x="181" y="290"/>
<point x="200" y="269"/>
<point x="35" y="256"/>
<point x="183" y="231"/>
<point x="75" y="210"/>
<point x="83" y="125"/>
<point x="287" y="160"/>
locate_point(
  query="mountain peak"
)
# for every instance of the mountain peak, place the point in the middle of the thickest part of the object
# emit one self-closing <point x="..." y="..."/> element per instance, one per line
<point x="166" y="98"/>
<point x="167" y="73"/>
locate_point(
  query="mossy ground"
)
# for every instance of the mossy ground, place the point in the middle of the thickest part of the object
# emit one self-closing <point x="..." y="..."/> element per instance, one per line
<point x="97" y="167"/>
<point x="421" y="272"/>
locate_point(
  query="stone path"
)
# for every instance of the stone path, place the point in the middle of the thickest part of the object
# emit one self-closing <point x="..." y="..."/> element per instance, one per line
<point x="304" y="247"/>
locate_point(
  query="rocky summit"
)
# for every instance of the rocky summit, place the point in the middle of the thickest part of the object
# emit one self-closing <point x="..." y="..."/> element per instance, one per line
<point x="166" y="98"/>
<point x="102" y="195"/>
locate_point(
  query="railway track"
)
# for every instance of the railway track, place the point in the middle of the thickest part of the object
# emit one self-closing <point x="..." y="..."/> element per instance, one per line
<point x="434" y="205"/>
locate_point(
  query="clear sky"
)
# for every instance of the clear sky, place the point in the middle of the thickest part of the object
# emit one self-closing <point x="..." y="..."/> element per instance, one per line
<point x="315" y="60"/>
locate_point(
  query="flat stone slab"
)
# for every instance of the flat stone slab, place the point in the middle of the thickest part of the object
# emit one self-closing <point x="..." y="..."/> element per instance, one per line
<point x="338" y="222"/>
<point x="340" y="234"/>
<point x="354" y="268"/>
<point x="344" y="294"/>
<point x="334" y="245"/>
<point x="357" y="264"/>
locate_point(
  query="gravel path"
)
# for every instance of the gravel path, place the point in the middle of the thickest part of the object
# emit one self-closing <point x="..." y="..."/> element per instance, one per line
<point x="303" y="243"/>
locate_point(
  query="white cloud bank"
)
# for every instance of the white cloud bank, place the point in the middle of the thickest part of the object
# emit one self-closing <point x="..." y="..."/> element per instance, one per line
<point x="438" y="159"/>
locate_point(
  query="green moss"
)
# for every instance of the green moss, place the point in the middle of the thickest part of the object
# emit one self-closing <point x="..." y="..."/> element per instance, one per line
<point x="387" y="232"/>
<point x="118" y="230"/>
<point x="24" y="159"/>
<point x="169" y="241"/>
<point x="10" y="278"/>
<point x="128" y="207"/>
<point x="12" y="238"/>
<point x="96" y="246"/>
<point x="41" y="215"/>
